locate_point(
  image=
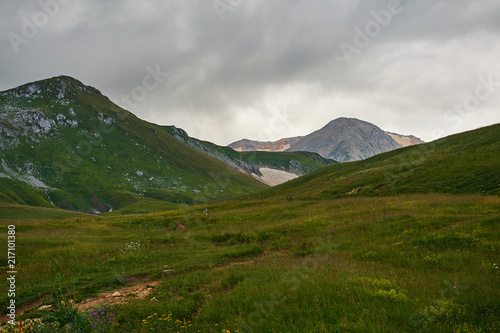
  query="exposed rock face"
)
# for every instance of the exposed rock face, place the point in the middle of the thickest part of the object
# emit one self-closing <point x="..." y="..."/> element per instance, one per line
<point x="276" y="173"/>
<point x="347" y="139"/>
<point x="405" y="140"/>
<point x="250" y="145"/>
<point x="343" y="140"/>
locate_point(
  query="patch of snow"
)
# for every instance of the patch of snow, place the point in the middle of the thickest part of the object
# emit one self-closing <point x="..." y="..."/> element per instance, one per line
<point x="24" y="175"/>
<point x="72" y="112"/>
<point x="34" y="182"/>
<point x="48" y="196"/>
<point x="139" y="173"/>
<point x="274" y="177"/>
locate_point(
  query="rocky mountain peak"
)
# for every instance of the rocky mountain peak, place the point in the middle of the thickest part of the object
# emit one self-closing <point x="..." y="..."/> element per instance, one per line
<point x="342" y="139"/>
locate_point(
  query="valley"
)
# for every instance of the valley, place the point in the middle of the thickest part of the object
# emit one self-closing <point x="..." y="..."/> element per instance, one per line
<point x="407" y="263"/>
<point x="404" y="241"/>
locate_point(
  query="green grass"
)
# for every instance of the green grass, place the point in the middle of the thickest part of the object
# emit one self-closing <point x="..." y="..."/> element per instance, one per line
<point x="461" y="163"/>
<point x="16" y="212"/>
<point x="109" y="152"/>
<point x="405" y="241"/>
<point x="305" y="161"/>
<point x="299" y="163"/>
<point x="409" y="263"/>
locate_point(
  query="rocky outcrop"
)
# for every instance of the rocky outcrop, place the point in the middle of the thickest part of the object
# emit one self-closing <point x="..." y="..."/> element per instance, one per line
<point x="347" y="139"/>
<point x="343" y="140"/>
<point x="274" y="146"/>
<point x="405" y="140"/>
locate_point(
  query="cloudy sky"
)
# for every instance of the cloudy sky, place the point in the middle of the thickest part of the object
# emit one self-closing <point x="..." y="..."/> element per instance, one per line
<point x="266" y="69"/>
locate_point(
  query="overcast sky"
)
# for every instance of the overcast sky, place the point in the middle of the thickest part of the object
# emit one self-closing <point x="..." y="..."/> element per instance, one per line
<point x="265" y="69"/>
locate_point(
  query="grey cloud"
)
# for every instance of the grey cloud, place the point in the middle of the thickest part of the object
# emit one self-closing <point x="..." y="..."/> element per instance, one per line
<point x="265" y="56"/>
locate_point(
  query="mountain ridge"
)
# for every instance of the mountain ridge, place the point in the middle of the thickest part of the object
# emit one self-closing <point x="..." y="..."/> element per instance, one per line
<point x="86" y="152"/>
<point x="252" y="163"/>
<point x="65" y="144"/>
<point x="458" y="164"/>
<point x="342" y="139"/>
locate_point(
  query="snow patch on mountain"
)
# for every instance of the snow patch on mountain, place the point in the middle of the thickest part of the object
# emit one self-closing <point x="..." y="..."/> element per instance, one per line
<point x="274" y="177"/>
<point x="27" y="175"/>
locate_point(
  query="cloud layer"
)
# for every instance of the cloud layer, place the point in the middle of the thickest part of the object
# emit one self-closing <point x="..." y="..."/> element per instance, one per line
<point x="268" y="69"/>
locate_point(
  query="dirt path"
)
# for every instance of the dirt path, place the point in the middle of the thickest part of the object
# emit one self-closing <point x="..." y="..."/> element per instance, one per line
<point x="120" y="296"/>
<point x="180" y="225"/>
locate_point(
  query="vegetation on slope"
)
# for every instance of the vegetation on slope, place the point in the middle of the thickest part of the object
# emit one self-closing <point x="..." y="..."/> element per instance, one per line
<point x="78" y="150"/>
<point x="402" y="263"/>
<point x="299" y="163"/>
<point x="461" y="163"/>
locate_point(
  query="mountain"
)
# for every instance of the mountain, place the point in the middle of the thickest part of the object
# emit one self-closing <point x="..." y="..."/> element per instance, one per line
<point x="405" y="140"/>
<point x="462" y="163"/>
<point x="343" y="140"/>
<point x="272" y="168"/>
<point x="65" y="144"/>
<point x="347" y="139"/>
<point x="275" y="146"/>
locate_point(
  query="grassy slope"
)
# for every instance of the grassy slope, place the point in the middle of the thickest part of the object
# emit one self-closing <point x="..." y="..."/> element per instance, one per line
<point x="295" y="162"/>
<point x="405" y="263"/>
<point x="101" y="159"/>
<point x="13" y="213"/>
<point x="281" y="160"/>
<point x="462" y="163"/>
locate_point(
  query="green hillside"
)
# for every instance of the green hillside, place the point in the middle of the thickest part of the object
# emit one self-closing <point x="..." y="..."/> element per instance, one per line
<point x="299" y="163"/>
<point x="463" y="163"/>
<point x="405" y="241"/>
<point x="409" y="263"/>
<point x="75" y="149"/>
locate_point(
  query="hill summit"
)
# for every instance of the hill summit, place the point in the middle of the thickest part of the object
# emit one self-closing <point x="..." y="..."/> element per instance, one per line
<point x="342" y="139"/>
<point x="65" y="144"/>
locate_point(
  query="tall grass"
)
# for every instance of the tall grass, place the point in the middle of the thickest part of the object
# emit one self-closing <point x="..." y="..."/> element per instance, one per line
<point x="399" y="263"/>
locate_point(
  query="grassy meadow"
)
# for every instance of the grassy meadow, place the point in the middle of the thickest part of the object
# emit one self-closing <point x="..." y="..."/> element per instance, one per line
<point x="400" y="263"/>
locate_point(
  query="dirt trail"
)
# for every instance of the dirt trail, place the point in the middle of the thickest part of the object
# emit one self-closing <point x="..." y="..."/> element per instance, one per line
<point x="180" y="225"/>
<point x="120" y="296"/>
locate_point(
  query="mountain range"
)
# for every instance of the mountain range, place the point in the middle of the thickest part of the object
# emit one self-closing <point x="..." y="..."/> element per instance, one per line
<point x="65" y="144"/>
<point x="327" y="250"/>
<point x="458" y="164"/>
<point x="342" y="139"/>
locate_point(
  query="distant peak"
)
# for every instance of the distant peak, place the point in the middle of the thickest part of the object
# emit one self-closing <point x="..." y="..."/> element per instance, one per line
<point x="346" y="120"/>
<point x="68" y="79"/>
<point x="59" y="87"/>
